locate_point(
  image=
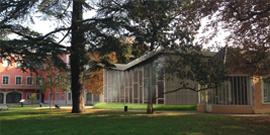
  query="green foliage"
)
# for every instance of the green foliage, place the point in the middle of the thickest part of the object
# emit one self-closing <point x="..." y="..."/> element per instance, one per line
<point x="155" y="23"/>
<point x="248" y="23"/>
<point x="33" y="98"/>
<point x="169" y="25"/>
<point x="166" y="24"/>
<point x="55" y="79"/>
<point x="197" y="67"/>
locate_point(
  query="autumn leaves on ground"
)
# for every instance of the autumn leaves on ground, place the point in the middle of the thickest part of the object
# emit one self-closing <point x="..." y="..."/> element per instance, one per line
<point x="95" y="121"/>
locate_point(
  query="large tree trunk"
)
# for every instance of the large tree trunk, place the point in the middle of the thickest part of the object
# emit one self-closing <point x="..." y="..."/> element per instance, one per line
<point x="150" y="109"/>
<point x="77" y="57"/>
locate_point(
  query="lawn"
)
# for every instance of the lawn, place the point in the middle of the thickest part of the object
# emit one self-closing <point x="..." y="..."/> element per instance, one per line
<point x="21" y="108"/>
<point x="94" y="121"/>
<point x="143" y="107"/>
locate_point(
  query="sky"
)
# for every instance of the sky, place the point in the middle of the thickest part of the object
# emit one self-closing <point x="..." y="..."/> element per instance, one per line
<point x="47" y="26"/>
<point x="219" y="39"/>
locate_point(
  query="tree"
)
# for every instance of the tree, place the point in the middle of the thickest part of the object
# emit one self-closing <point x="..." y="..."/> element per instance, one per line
<point x="162" y="24"/>
<point x="56" y="80"/>
<point x="169" y="25"/>
<point x="93" y="77"/>
<point x="33" y="98"/>
<point x="248" y="23"/>
<point x="85" y="35"/>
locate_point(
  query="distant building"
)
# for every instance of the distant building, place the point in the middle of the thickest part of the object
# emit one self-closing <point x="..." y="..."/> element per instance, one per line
<point x="16" y="85"/>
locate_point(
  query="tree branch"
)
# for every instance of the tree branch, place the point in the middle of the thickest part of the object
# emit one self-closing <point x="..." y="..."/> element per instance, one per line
<point x="183" y="88"/>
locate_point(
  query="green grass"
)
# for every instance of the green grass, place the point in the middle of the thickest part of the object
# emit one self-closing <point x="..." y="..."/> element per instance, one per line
<point x="96" y="122"/>
<point x="20" y="108"/>
<point x="143" y="107"/>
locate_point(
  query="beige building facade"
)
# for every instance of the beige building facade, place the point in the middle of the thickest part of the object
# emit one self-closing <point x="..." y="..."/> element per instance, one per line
<point x="142" y="78"/>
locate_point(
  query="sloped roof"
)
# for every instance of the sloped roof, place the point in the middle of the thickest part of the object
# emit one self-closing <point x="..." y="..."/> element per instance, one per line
<point x="147" y="56"/>
<point x="137" y="61"/>
<point x="223" y="55"/>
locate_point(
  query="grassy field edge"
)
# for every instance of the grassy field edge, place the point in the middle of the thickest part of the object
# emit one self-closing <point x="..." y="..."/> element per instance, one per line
<point x="143" y="107"/>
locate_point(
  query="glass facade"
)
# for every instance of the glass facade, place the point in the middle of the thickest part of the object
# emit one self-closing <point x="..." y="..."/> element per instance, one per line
<point x="266" y="90"/>
<point x="235" y="91"/>
<point x="133" y="85"/>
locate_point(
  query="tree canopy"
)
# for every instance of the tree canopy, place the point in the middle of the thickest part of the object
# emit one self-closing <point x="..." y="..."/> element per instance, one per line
<point x="169" y="24"/>
<point x="83" y="34"/>
<point x="248" y="24"/>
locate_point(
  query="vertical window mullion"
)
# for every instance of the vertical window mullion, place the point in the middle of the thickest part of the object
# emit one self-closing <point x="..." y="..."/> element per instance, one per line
<point x="233" y="90"/>
<point x="244" y="91"/>
<point x="237" y="90"/>
<point x="240" y="91"/>
<point x="267" y="92"/>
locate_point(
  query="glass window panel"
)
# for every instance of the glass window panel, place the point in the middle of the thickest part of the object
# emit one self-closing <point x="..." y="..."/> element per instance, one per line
<point x="141" y="94"/>
<point x="130" y="95"/>
<point x="266" y="90"/>
<point x="135" y="100"/>
<point x="135" y="76"/>
<point x="96" y="98"/>
<point x="49" y="96"/>
<point x="18" y="80"/>
<point x="140" y="78"/>
<point x="69" y="96"/>
<point x="105" y="77"/>
<point x="160" y="101"/>
<point x="37" y="95"/>
<point x="40" y="80"/>
<point x="5" y="80"/>
<point x="57" y="96"/>
<point x="105" y="91"/>
<point x="89" y="97"/>
<point x="29" y="80"/>
<point x="135" y="90"/>
<point x="160" y="89"/>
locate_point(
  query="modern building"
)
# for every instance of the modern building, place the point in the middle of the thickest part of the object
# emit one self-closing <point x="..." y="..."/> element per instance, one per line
<point x="132" y="82"/>
<point x="241" y="93"/>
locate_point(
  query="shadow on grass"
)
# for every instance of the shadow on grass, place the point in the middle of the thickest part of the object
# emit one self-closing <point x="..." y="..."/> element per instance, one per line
<point x="62" y="122"/>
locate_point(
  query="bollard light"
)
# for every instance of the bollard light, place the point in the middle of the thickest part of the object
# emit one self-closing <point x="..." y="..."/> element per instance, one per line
<point x="125" y="108"/>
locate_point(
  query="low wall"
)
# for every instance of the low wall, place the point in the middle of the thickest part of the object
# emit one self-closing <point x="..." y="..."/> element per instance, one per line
<point x="200" y="108"/>
<point x="262" y="110"/>
<point x="231" y="109"/>
<point x="227" y="109"/>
